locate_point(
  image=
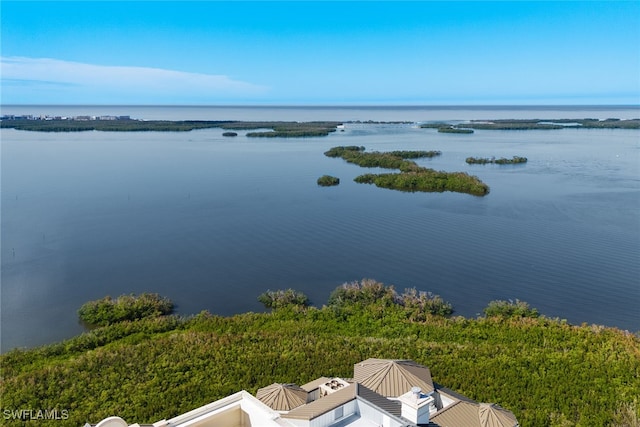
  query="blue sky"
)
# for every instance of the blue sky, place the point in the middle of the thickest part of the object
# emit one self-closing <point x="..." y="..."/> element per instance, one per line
<point x="320" y="53"/>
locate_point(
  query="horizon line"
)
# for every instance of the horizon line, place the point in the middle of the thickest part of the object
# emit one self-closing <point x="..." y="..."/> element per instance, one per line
<point x="312" y="105"/>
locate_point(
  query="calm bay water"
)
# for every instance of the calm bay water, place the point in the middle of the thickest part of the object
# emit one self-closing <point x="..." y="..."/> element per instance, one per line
<point x="212" y="222"/>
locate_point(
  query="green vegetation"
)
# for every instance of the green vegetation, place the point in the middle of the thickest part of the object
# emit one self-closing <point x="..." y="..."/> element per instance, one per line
<point x="434" y="125"/>
<point x="609" y="123"/>
<point x="512" y="125"/>
<point x="278" y="129"/>
<point x="538" y="124"/>
<point x="389" y="160"/>
<point x="343" y="151"/>
<point x="70" y="125"/>
<point x="229" y="134"/>
<point x="627" y="415"/>
<point x="328" y="181"/>
<point x="417" y="306"/>
<point x="298" y="129"/>
<point x="106" y="311"/>
<point x="510" y="308"/>
<point x="428" y="181"/>
<point x="549" y="373"/>
<point x="451" y="129"/>
<point x="501" y="161"/>
<point x="445" y="128"/>
<point x="412" y="177"/>
<point x="284" y="298"/>
<point x="284" y="129"/>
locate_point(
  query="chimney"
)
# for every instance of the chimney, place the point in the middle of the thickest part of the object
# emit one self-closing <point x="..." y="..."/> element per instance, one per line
<point x="415" y="406"/>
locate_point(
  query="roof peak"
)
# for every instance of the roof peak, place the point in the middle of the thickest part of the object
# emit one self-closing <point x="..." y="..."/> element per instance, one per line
<point x="392" y="377"/>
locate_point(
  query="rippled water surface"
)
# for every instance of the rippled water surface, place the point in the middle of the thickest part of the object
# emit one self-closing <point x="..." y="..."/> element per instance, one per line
<point x="212" y="222"/>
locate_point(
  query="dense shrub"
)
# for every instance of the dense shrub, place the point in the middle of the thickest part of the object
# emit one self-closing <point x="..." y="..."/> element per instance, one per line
<point x="416" y="305"/>
<point x="364" y="292"/>
<point x="284" y="298"/>
<point x="106" y="311"/>
<point x="627" y="414"/>
<point x="419" y="305"/>
<point x="510" y="308"/>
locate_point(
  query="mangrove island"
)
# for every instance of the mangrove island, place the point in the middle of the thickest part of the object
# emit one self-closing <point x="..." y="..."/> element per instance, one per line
<point x="411" y="177"/>
<point x="328" y="181"/>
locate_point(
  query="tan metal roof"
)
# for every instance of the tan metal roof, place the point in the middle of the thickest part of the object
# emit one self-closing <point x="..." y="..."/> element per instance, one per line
<point x="282" y="397"/>
<point x="469" y="414"/>
<point x="312" y="385"/>
<point x="492" y="415"/>
<point x="324" y="404"/>
<point x="391" y="406"/>
<point x="334" y="400"/>
<point x="392" y="378"/>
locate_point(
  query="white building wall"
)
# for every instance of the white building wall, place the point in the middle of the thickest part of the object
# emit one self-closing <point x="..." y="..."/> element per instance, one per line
<point x="446" y="400"/>
<point x="324" y="420"/>
<point x="373" y="414"/>
<point x="297" y="423"/>
<point x="369" y="412"/>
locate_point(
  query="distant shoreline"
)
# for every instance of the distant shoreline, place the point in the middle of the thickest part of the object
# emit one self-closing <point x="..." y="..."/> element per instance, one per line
<point x="124" y="123"/>
<point x="413" y="113"/>
<point x="113" y="123"/>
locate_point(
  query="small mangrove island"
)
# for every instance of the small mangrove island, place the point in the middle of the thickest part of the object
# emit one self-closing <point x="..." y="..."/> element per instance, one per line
<point x="501" y="161"/>
<point x="328" y="181"/>
<point x="411" y="177"/>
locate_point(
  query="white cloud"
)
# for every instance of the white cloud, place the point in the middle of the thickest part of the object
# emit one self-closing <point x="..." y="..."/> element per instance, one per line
<point x="45" y="80"/>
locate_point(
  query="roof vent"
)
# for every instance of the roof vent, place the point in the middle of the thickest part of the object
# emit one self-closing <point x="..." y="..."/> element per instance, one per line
<point x="332" y="386"/>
